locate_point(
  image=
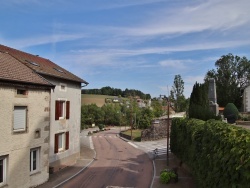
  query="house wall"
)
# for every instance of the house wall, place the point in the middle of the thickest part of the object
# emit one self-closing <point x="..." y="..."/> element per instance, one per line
<point x="16" y="145"/>
<point x="246" y="99"/>
<point x="73" y="94"/>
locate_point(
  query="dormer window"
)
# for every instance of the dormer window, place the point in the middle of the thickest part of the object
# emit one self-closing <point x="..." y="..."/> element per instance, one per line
<point x="59" y="70"/>
<point x="33" y="63"/>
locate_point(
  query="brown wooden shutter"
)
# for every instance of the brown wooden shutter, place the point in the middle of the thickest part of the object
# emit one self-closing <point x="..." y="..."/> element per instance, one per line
<point x="56" y="143"/>
<point x="67" y="109"/>
<point x="67" y="140"/>
<point x="57" y="110"/>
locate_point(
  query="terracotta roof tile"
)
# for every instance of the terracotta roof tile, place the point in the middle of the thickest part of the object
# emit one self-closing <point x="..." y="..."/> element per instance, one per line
<point x="41" y="65"/>
<point x="13" y="70"/>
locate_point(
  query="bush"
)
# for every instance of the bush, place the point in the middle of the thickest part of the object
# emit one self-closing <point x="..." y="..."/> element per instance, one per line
<point x="167" y="175"/>
<point x="101" y="126"/>
<point x="218" y="153"/>
<point x="231" y="113"/>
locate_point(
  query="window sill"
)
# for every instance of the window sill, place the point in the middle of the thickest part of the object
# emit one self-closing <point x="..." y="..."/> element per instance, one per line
<point x="20" y="131"/>
<point x="61" y="150"/>
<point x="35" y="173"/>
<point x="4" y="185"/>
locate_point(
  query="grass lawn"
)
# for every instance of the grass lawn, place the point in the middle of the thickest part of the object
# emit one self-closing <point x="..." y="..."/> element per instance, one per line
<point x="99" y="100"/>
<point x="136" y="134"/>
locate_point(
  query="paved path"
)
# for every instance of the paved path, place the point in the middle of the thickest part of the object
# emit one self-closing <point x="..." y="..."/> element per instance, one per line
<point x="117" y="163"/>
<point x="88" y="155"/>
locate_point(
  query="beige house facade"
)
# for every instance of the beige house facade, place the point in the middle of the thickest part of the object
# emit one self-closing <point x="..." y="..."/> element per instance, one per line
<point x="24" y="125"/>
<point x="64" y="108"/>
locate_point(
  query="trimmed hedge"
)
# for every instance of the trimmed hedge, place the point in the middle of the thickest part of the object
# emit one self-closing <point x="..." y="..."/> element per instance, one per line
<point x="218" y="153"/>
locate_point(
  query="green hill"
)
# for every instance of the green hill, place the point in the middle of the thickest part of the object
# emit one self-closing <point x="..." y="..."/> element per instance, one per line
<point x="99" y="100"/>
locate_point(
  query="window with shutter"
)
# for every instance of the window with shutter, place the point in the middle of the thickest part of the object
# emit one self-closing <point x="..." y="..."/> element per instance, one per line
<point x="61" y="142"/>
<point x="56" y="143"/>
<point x="20" y="118"/>
<point x="62" y="109"/>
<point x="67" y="109"/>
<point x="67" y="140"/>
<point x="57" y="110"/>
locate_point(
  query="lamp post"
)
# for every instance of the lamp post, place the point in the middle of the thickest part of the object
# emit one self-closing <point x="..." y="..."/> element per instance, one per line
<point x="168" y="134"/>
<point x="131" y="121"/>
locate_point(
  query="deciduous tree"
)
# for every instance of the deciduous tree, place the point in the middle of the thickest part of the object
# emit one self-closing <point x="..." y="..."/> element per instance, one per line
<point x="232" y="75"/>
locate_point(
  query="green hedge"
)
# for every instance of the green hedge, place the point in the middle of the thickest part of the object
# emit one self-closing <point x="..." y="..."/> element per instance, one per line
<point x="217" y="153"/>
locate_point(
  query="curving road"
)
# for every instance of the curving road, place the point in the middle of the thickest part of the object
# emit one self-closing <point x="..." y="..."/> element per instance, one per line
<point x="117" y="164"/>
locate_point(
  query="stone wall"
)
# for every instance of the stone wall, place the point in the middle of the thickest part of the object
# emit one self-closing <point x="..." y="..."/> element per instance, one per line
<point x="157" y="130"/>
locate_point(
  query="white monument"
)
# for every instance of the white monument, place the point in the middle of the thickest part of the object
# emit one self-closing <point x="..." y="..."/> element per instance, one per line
<point x="214" y="107"/>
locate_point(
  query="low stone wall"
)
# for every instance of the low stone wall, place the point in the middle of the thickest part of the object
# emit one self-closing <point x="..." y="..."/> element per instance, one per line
<point x="125" y="136"/>
<point x="156" y="131"/>
<point x="243" y="123"/>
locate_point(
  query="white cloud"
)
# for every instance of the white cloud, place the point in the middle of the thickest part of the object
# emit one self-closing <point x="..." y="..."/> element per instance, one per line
<point x="45" y="39"/>
<point x="209" y="15"/>
<point x="178" y="64"/>
<point x="121" y="4"/>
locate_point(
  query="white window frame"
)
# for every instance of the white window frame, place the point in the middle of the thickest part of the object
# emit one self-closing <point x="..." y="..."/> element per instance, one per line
<point x="63" y="85"/>
<point x="37" y="151"/>
<point x="4" y="159"/>
<point x="63" y="100"/>
<point x="63" y="113"/>
<point x="61" y="141"/>
<point x="20" y="122"/>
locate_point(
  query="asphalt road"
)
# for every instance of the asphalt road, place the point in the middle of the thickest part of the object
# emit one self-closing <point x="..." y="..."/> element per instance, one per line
<point x="117" y="164"/>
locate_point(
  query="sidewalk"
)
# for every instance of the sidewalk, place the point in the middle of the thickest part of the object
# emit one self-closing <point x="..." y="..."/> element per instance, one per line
<point x="87" y="156"/>
<point x="185" y="178"/>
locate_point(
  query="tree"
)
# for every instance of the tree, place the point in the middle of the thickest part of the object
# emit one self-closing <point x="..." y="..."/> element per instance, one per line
<point x="146" y="118"/>
<point x="199" y="104"/>
<point x="91" y="114"/>
<point x="157" y="108"/>
<point x="177" y="94"/>
<point x="232" y="75"/>
<point x="231" y="113"/>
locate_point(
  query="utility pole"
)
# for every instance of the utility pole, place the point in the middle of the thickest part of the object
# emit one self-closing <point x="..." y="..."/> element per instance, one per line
<point x="131" y="119"/>
<point x="168" y="134"/>
<point x="168" y="103"/>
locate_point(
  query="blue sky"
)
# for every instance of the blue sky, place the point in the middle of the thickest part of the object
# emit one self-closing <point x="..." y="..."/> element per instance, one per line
<point x="134" y="44"/>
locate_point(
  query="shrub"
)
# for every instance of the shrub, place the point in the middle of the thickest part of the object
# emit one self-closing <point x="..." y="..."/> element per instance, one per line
<point x="218" y="153"/>
<point x="231" y="113"/>
<point x="167" y="175"/>
<point x="101" y="126"/>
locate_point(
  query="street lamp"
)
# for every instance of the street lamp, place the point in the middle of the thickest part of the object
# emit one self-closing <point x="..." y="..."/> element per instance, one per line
<point x="168" y="134"/>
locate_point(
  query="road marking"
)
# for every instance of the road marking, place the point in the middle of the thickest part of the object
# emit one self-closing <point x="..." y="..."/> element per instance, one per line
<point x="133" y="145"/>
<point x="91" y="143"/>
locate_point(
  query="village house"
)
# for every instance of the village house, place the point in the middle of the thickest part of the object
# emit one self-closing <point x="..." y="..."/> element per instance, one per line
<point x="24" y="125"/>
<point x="65" y="107"/>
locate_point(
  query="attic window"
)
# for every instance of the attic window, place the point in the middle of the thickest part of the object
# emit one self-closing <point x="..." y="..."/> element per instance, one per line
<point x="59" y="70"/>
<point x="21" y="92"/>
<point x="33" y="63"/>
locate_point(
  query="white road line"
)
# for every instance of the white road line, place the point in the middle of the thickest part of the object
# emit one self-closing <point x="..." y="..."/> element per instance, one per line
<point x="133" y="145"/>
<point x="91" y="143"/>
